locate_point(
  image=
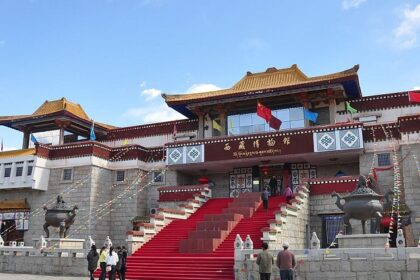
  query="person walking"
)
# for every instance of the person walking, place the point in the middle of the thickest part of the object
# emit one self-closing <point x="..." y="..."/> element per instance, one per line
<point x="265" y="262"/>
<point x="111" y="263"/>
<point x="264" y="196"/>
<point x="92" y="258"/>
<point x="102" y="262"/>
<point x="122" y="262"/>
<point x="286" y="263"/>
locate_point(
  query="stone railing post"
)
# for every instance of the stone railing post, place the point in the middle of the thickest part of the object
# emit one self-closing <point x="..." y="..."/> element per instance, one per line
<point x="400" y="238"/>
<point x="249" y="244"/>
<point x="239" y="246"/>
<point x="89" y="243"/>
<point x="108" y="242"/>
<point x="315" y="242"/>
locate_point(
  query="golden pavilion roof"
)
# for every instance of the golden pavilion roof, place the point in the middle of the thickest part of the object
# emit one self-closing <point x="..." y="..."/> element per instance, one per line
<point x="59" y="105"/>
<point x="55" y="106"/>
<point x="272" y="78"/>
<point x="17" y="153"/>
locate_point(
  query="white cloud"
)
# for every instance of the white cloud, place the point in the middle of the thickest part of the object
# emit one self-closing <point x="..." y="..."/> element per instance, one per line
<point x="156" y="110"/>
<point x="151" y="93"/>
<point x="202" y="88"/>
<point x="407" y="33"/>
<point x="151" y="114"/>
<point x="416" y="88"/>
<point x="350" y="4"/>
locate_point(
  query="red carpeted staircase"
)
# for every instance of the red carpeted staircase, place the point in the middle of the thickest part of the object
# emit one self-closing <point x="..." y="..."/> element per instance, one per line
<point x="160" y="257"/>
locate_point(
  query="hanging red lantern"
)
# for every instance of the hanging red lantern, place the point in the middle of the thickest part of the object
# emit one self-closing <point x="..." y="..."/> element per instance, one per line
<point x="203" y="180"/>
<point x="386" y="221"/>
<point x="265" y="169"/>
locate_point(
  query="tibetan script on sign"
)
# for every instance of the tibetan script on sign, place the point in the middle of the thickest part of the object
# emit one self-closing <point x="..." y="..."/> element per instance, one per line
<point x="258" y="153"/>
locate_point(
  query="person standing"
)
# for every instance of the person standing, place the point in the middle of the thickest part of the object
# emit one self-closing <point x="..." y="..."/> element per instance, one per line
<point x="122" y="262"/>
<point x="265" y="262"/>
<point x="288" y="193"/>
<point x="102" y="262"/>
<point x="92" y="259"/>
<point x="111" y="263"/>
<point x="273" y="185"/>
<point x="264" y="196"/>
<point x="286" y="263"/>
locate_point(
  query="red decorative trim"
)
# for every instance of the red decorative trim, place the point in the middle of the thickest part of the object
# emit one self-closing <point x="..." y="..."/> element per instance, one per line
<point x="172" y="211"/>
<point x="135" y="233"/>
<point x="90" y="148"/>
<point x="409" y="124"/>
<point x="180" y="193"/>
<point x="382" y="101"/>
<point x="342" y="184"/>
<point x="266" y="135"/>
<point x="376" y="132"/>
<point x="151" y="129"/>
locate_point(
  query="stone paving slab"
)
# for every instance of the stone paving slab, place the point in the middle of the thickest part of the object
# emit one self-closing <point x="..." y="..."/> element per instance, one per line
<point x="16" y="276"/>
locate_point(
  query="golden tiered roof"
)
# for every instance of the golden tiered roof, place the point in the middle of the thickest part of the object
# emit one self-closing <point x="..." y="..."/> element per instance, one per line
<point x="17" y="153"/>
<point x="272" y="78"/>
<point x="54" y="106"/>
<point x="59" y="105"/>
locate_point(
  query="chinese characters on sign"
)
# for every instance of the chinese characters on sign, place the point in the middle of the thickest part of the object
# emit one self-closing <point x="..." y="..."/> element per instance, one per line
<point x="258" y="148"/>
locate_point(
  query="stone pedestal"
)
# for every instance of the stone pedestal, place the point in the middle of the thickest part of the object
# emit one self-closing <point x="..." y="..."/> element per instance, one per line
<point x="63" y="243"/>
<point x="362" y="240"/>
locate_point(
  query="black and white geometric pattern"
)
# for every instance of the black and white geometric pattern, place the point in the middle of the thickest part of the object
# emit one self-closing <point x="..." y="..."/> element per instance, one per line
<point x="343" y="139"/>
<point x="185" y="155"/>
<point x="349" y="139"/>
<point x="326" y="141"/>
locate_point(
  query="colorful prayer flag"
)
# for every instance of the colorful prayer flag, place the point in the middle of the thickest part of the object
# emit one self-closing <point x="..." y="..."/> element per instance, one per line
<point x="275" y="123"/>
<point x="263" y="112"/>
<point x="414" y="96"/>
<point x="309" y="115"/>
<point x="174" y="132"/>
<point x="217" y="126"/>
<point x="92" y="132"/>
<point x="33" y="139"/>
<point x="350" y="109"/>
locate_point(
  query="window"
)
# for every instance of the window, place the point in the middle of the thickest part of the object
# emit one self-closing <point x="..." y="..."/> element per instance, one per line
<point x="157" y="177"/>
<point x="19" y="171"/>
<point x="252" y="123"/>
<point x="331" y="226"/>
<point x="120" y="176"/>
<point x="67" y="174"/>
<point x="29" y="172"/>
<point x="7" y="172"/>
<point x="384" y="159"/>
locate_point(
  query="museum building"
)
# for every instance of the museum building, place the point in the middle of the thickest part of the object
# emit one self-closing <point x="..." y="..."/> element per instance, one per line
<point x="329" y="134"/>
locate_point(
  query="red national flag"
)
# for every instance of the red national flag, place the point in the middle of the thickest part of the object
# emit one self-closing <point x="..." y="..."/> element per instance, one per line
<point x="414" y="96"/>
<point x="175" y="131"/>
<point x="263" y="112"/>
<point x="275" y="123"/>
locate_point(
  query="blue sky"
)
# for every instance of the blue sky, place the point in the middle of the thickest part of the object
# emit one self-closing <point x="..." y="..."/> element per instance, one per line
<point x="116" y="57"/>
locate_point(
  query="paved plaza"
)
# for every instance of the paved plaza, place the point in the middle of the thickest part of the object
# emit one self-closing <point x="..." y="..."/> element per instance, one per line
<point x="16" y="276"/>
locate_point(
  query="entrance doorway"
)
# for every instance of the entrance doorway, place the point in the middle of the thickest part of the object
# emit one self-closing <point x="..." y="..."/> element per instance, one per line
<point x="9" y="232"/>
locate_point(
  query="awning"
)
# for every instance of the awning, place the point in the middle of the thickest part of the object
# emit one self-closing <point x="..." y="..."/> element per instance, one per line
<point x="7" y="205"/>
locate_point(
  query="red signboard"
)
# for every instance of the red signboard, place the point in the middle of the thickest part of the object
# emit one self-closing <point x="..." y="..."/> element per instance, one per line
<point x="266" y="145"/>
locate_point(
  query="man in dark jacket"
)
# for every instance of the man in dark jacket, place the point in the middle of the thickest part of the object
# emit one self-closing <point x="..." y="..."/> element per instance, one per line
<point x="92" y="259"/>
<point x="273" y="185"/>
<point x="122" y="263"/>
